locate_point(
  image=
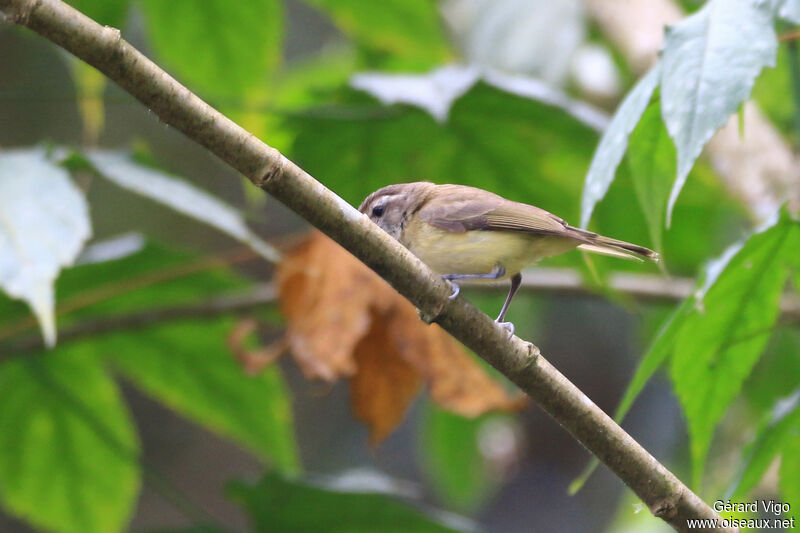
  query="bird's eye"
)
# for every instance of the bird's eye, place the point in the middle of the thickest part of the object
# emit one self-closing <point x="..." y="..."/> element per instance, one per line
<point x="378" y="210"/>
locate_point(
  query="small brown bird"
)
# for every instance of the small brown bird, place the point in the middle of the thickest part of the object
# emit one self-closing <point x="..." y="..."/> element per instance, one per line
<point x="467" y="233"/>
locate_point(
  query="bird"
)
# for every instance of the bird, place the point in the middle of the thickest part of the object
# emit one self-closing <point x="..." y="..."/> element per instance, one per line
<point x="464" y="232"/>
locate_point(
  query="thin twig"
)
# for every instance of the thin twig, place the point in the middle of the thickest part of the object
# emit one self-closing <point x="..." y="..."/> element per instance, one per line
<point x="561" y="281"/>
<point x="255" y="297"/>
<point x="520" y="361"/>
<point x="111" y="290"/>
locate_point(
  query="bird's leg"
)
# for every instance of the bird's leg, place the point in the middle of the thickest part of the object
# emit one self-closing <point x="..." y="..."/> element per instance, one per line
<point x="516" y="280"/>
<point x="497" y="272"/>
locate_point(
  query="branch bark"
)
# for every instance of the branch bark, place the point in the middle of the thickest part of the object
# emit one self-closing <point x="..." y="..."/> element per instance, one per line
<point x="520" y="361"/>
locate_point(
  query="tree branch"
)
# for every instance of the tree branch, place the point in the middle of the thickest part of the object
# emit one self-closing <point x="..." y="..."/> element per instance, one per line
<point x="521" y="362"/>
<point x="561" y="281"/>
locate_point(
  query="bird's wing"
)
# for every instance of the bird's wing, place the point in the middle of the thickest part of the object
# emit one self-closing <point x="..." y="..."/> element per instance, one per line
<point x="461" y="211"/>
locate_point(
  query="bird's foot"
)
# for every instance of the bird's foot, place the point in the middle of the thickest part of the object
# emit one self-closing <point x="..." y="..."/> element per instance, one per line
<point x="508" y="326"/>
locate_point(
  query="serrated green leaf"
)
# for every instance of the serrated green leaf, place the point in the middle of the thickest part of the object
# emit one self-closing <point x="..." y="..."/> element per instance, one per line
<point x="278" y="505"/>
<point x="709" y="63"/>
<point x="68" y="452"/>
<point x="771" y="437"/>
<point x="217" y="47"/>
<point x="454" y="463"/>
<point x="651" y="159"/>
<point x="725" y="334"/>
<point x="402" y="33"/>
<point x="614" y="142"/>
<point x="188" y="367"/>
<point x="106" y="12"/>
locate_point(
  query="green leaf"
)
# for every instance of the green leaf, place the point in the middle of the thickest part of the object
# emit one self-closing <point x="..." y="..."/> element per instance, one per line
<point x="709" y="63"/>
<point x="778" y="371"/>
<point x="614" y="142"/>
<point x="68" y="452"/>
<point x="724" y="335"/>
<point x="180" y="195"/>
<point x="188" y="367"/>
<point x="659" y="351"/>
<point x="402" y="33"/>
<point x="106" y="12"/>
<point x="454" y="463"/>
<point x="514" y="146"/>
<point x="651" y="159"/>
<point x="282" y="506"/>
<point x="185" y="364"/>
<point x="771" y="438"/>
<point x="790" y="473"/>
<point x="217" y="47"/>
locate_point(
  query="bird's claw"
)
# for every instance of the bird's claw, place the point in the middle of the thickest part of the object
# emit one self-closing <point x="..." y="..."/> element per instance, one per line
<point x="456" y="290"/>
<point x="508" y="326"/>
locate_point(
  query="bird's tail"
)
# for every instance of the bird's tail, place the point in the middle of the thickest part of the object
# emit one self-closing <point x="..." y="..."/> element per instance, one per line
<point x="607" y="246"/>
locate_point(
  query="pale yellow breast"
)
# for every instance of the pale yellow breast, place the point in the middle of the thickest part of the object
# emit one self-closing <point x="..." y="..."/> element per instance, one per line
<point x="478" y="252"/>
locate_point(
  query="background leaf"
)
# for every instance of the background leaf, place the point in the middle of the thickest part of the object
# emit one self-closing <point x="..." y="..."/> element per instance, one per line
<point x="651" y="159"/>
<point x="219" y="48"/>
<point x="68" y="453"/>
<point x="188" y="367"/>
<point x="537" y="158"/>
<point x="281" y="506"/>
<point x="184" y="364"/>
<point x="436" y="91"/>
<point x="396" y="33"/>
<point x="180" y="195"/>
<point x="44" y="222"/>
<point x="106" y="12"/>
<point x="709" y="64"/>
<point x="454" y="463"/>
<point x="771" y="437"/>
<point x="723" y="337"/>
<point x="614" y="142"/>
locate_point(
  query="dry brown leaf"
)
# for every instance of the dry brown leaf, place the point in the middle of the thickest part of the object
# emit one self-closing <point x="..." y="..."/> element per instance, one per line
<point x="384" y="385"/>
<point x="345" y="321"/>
<point x="325" y="300"/>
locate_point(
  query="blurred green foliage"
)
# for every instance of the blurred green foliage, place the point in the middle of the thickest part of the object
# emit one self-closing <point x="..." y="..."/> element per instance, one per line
<point x="279" y="505"/>
<point x="457" y="469"/>
<point x="68" y="449"/>
<point x="62" y="416"/>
